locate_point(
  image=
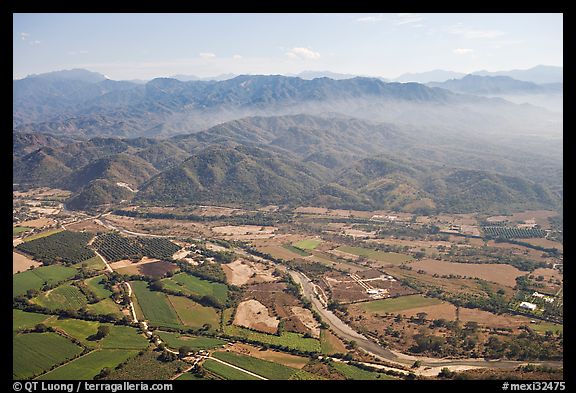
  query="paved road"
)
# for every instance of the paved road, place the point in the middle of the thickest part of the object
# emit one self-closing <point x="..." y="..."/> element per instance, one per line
<point x="346" y="332"/>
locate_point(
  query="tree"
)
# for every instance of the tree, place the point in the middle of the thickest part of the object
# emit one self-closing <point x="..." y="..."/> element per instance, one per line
<point x="417" y="364"/>
<point x="40" y="328"/>
<point x="184" y="351"/>
<point x="446" y="373"/>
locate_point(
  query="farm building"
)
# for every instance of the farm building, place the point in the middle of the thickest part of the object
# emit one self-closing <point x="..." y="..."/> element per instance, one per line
<point x="528" y="306"/>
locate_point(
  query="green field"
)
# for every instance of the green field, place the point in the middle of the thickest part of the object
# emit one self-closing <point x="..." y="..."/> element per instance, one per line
<point x="76" y="328"/>
<point x="398" y="304"/>
<point x="97" y="288"/>
<point x="35" y="279"/>
<point x="260" y="367"/>
<point x="95" y="264"/>
<point x="19" y="230"/>
<point x="380" y="256"/>
<point x="191" y="285"/>
<point x="176" y="340"/>
<point x="26" y="320"/>
<point x="308" y="244"/>
<point x="88" y="366"/>
<point x="226" y="372"/>
<point x="155" y="305"/>
<point x="64" y="297"/>
<point x="193" y="314"/>
<point x="542" y="327"/>
<point x="34" y="353"/>
<point x="43" y="234"/>
<point x="286" y="339"/>
<point x="305" y="376"/>
<point x="296" y="250"/>
<point x="123" y="337"/>
<point x="330" y="344"/>
<point x="105" y="307"/>
<point x="355" y="373"/>
<point x="146" y="366"/>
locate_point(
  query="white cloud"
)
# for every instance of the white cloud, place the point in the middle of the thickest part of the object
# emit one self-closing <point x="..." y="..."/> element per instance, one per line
<point x="237" y="57"/>
<point x="207" y="55"/>
<point x="24" y="36"/>
<point x="371" y="18"/>
<point x="408" y="19"/>
<point x="463" y="51"/>
<point x="35" y="42"/>
<point x="465" y="32"/>
<point x="303" y="54"/>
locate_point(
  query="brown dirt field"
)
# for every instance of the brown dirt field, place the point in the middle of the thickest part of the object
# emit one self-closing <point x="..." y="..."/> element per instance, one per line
<point x="215" y="247"/>
<point x="540" y="216"/>
<point x="42" y="192"/>
<point x="356" y="233"/>
<point x="307" y="319"/>
<point x="242" y="271"/>
<point x="181" y="254"/>
<point x="126" y="262"/>
<point x="498" y="219"/>
<point x="279" y="252"/>
<point x="273" y="356"/>
<point x="15" y="242"/>
<point x="501" y="274"/>
<point x="160" y="226"/>
<point x="89" y="225"/>
<point x="211" y="211"/>
<point x="448" y="311"/>
<point x="548" y="273"/>
<point x="21" y="263"/>
<point x="254" y="315"/>
<point x="521" y="250"/>
<point x="244" y="232"/>
<point x="311" y="210"/>
<point x="157" y="269"/>
<point x="38" y="223"/>
<point x="274" y="296"/>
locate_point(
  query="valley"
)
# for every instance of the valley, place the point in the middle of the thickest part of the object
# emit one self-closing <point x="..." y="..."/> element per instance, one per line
<point x="332" y="293"/>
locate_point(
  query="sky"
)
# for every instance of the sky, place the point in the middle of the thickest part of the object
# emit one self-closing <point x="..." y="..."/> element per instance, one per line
<point x="145" y="46"/>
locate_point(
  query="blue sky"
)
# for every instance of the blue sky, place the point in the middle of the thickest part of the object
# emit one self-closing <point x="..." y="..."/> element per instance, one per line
<point x="144" y="46"/>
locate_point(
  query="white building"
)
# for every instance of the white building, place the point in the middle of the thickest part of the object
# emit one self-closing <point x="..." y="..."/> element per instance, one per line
<point x="528" y="306"/>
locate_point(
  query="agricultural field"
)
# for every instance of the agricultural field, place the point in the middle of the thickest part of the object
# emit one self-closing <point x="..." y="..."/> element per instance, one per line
<point x="18" y="230"/>
<point x="331" y="344"/>
<point x="355" y="373"/>
<point x="543" y="327"/>
<point x="392" y="258"/>
<point x="77" y="328"/>
<point x="65" y="246"/>
<point x="21" y="263"/>
<point x="97" y="287"/>
<point x="26" y="320"/>
<point x="283" y="358"/>
<point x="35" y="279"/>
<point x="512" y="233"/>
<point x="155" y="305"/>
<point x="498" y="273"/>
<point x="191" y="285"/>
<point x="286" y="339"/>
<point x="43" y="234"/>
<point x="146" y="366"/>
<point x="34" y="353"/>
<point x="105" y="307"/>
<point x="260" y="367"/>
<point x="226" y="372"/>
<point x="296" y="250"/>
<point x="64" y="297"/>
<point x="93" y="264"/>
<point x="242" y="271"/>
<point x="194" y="315"/>
<point x="307" y="244"/>
<point x="115" y="247"/>
<point x="88" y="366"/>
<point x="177" y="340"/>
<point x="123" y="337"/>
<point x="397" y="304"/>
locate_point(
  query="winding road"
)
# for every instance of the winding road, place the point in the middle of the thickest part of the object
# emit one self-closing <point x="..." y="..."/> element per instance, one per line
<point x="346" y="332"/>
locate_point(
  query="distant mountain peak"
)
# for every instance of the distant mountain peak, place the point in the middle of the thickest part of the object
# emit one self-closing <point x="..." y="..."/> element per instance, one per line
<point x="78" y="74"/>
